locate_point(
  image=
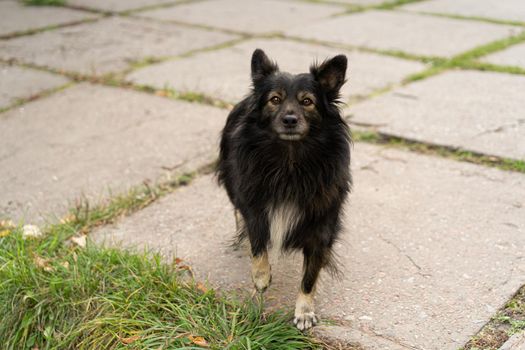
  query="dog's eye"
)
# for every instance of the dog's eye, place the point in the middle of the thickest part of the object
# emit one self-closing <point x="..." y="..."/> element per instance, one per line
<point x="275" y="100"/>
<point x="307" y="101"/>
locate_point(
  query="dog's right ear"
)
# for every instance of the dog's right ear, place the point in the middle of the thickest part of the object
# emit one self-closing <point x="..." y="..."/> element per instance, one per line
<point x="262" y="66"/>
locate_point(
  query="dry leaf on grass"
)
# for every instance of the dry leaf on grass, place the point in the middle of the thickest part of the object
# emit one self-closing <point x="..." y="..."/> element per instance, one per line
<point x="31" y="231"/>
<point x="79" y="240"/>
<point x="68" y="218"/>
<point x="4" y="233"/>
<point x="42" y="263"/>
<point x="130" y="340"/>
<point x="200" y="341"/>
<point x="7" y="224"/>
<point x="200" y="286"/>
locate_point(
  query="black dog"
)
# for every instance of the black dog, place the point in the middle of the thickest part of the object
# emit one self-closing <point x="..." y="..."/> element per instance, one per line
<point x="284" y="161"/>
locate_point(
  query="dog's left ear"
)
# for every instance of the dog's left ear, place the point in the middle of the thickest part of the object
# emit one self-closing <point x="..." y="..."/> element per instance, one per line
<point x="262" y="66"/>
<point x="330" y="75"/>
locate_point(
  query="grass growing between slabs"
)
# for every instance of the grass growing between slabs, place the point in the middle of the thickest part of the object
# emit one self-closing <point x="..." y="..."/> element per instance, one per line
<point x="508" y="321"/>
<point x="44" y="2"/>
<point x="58" y="293"/>
<point x="375" y="137"/>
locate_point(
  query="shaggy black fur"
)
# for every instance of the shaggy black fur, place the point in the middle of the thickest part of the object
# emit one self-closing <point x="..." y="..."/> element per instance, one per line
<point x="287" y="143"/>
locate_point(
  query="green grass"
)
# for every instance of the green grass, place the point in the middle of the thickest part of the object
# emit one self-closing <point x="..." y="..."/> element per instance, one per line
<point x="44" y="2"/>
<point x="57" y="296"/>
<point x="388" y="5"/>
<point x="473" y="18"/>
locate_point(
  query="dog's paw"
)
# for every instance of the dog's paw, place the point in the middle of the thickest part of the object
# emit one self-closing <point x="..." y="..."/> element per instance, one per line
<point x="304" y="312"/>
<point x="305" y="320"/>
<point x="261" y="272"/>
<point x="262" y="280"/>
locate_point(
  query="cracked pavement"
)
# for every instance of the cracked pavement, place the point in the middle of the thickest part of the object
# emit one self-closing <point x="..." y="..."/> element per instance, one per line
<point x="95" y="100"/>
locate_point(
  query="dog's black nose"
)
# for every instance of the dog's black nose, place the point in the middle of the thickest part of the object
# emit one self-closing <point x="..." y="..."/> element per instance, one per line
<point x="290" y="120"/>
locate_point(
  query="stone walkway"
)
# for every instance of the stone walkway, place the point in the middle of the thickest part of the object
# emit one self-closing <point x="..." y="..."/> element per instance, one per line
<point x="94" y="99"/>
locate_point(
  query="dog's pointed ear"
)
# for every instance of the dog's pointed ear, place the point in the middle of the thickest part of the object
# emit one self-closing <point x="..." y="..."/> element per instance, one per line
<point x="262" y="66"/>
<point x="330" y="75"/>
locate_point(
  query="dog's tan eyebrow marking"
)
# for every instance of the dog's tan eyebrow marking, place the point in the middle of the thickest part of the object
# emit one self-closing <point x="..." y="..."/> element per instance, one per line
<point x="277" y="93"/>
<point x="301" y="95"/>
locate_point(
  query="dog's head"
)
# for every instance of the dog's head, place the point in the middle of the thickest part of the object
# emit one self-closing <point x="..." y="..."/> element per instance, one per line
<point x="293" y="105"/>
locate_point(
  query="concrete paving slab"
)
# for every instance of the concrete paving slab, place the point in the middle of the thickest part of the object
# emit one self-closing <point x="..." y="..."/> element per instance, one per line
<point x="118" y="5"/>
<point x="257" y="16"/>
<point x="88" y="140"/>
<point x="18" y="82"/>
<point x="516" y="342"/>
<point x="226" y="73"/>
<point x="108" y="45"/>
<point x="478" y="111"/>
<point x="413" y="33"/>
<point x="511" y="10"/>
<point x="513" y="56"/>
<point x="16" y="17"/>
<point x="431" y="248"/>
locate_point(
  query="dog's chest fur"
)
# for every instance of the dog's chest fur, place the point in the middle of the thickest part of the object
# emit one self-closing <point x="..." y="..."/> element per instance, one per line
<point x="283" y="218"/>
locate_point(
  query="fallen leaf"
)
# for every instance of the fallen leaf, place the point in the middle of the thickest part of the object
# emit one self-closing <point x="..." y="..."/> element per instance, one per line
<point x="42" y="263"/>
<point x="184" y="267"/>
<point x="68" y="218"/>
<point x="4" y="233"/>
<point x="79" y="240"/>
<point x="200" y="286"/>
<point x="65" y="264"/>
<point x="200" y="341"/>
<point x="31" y="231"/>
<point x="161" y="93"/>
<point x="7" y="224"/>
<point x="130" y="340"/>
<point x="178" y="261"/>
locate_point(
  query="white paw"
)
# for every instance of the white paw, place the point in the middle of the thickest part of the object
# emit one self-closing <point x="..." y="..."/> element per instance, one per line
<point x="305" y="320"/>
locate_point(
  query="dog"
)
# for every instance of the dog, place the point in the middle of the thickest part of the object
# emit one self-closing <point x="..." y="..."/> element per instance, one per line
<point x="284" y="161"/>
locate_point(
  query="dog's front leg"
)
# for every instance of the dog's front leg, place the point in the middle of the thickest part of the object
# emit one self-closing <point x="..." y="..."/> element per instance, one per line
<point x="259" y="234"/>
<point x="314" y="260"/>
<point x="261" y="271"/>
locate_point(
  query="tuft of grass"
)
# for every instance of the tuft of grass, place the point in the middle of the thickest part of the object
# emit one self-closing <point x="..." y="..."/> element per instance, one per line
<point x="57" y="296"/>
<point x="473" y="18"/>
<point x="44" y="2"/>
<point x="484" y="50"/>
<point x="508" y="321"/>
<point x="375" y="137"/>
<point x="388" y="5"/>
